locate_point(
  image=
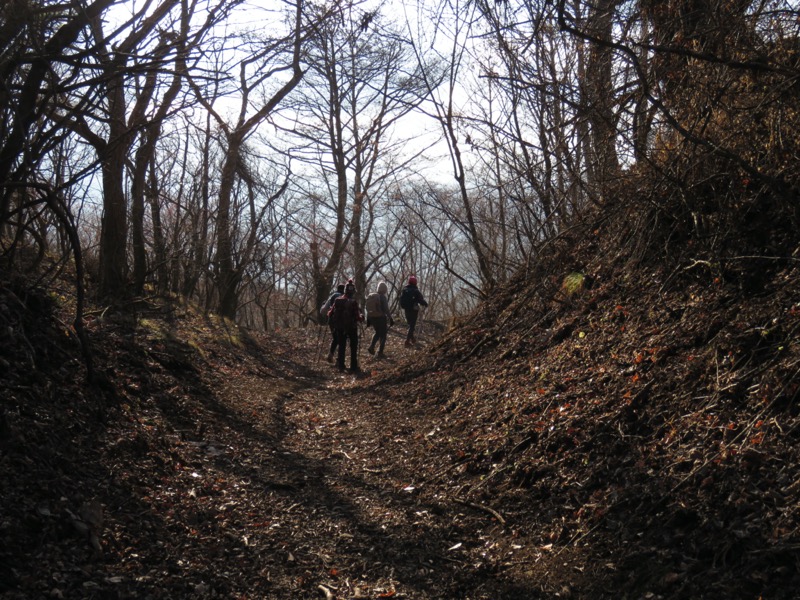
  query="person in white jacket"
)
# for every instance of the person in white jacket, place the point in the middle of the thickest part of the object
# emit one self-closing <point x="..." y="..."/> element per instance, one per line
<point x="379" y="318"/>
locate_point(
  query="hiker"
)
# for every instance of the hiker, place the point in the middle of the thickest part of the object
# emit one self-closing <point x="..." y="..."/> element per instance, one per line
<point x="378" y="316"/>
<point x="324" y="313"/>
<point x="410" y="301"/>
<point x="345" y="317"/>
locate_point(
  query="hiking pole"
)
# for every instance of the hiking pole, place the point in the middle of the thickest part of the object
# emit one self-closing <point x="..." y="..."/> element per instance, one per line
<point x="319" y="342"/>
<point x="360" y="339"/>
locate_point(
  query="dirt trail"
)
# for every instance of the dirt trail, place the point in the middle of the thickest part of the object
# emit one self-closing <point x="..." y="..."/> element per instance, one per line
<point x="346" y="508"/>
<point x="217" y="465"/>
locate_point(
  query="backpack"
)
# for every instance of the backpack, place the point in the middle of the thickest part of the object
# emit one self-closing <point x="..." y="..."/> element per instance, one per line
<point x="408" y="298"/>
<point x="373" y="305"/>
<point x="343" y="313"/>
<point x="325" y="309"/>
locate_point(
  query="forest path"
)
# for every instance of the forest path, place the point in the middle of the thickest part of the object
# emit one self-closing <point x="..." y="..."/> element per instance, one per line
<point x="339" y="484"/>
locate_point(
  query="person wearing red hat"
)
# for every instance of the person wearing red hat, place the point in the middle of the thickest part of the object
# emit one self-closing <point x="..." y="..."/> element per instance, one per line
<point x="410" y="301"/>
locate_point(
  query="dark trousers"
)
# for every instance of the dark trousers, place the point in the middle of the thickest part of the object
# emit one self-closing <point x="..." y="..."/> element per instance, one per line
<point x="381" y="325"/>
<point x="334" y="339"/>
<point x="344" y="335"/>
<point x="411" y="318"/>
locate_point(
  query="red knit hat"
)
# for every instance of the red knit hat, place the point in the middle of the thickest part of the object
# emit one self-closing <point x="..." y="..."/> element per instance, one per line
<point x="412" y="280"/>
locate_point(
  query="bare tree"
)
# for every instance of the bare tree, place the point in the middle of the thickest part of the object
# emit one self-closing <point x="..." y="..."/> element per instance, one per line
<point x="179" y="42"/>
<point x="361" y="82"/>
<point x="114" y="140"/>
<point x="444" y="111"/>
<point x="40" y="58"/>
<point x="258" y="67"/>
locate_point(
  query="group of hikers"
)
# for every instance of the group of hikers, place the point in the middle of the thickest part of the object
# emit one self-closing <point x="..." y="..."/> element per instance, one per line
<point x="344" y="315"/>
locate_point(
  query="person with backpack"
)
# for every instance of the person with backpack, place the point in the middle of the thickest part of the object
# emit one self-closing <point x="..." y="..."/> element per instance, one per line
<point x="410" y="301"/>
<point x="378" y="316"/>
<point x="345" y="316"/>
<point x="324" y="315"/>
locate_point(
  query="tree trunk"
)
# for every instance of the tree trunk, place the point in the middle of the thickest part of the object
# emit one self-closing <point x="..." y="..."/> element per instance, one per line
<point x="359" y="247"/>
<point x="227" y="274"/>
<point x="600" y="98"/>
<point x="159" y="242"/>
<point x="114" y="223"/>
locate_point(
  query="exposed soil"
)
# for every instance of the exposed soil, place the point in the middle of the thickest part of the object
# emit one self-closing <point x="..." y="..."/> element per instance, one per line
<point x="632" y="437"/>
<point x="219" y="465"/>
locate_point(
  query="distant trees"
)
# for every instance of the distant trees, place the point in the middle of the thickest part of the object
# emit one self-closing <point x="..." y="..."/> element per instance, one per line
<point x="247" y="160"/>
<point x="434" y="244"/>
<point x="262" y="60"/>
<point x="361" y="80"/>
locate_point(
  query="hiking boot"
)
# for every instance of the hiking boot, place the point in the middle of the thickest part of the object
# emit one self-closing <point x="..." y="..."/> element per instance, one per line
<point x="371" y="350"/>
<point x="408" y="343"/>
<point x="330" y="357"/>
<point x="380" y="355"/>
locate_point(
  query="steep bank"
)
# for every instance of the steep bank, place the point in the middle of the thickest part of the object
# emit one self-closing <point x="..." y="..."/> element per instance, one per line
<point x="632" y="415"/>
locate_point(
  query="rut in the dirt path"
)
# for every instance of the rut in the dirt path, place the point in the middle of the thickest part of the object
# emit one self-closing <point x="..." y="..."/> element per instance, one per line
<point x="354" y="517"/>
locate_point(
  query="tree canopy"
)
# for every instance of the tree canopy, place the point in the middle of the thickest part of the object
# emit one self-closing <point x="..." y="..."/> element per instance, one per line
<point x="249" y="155"/>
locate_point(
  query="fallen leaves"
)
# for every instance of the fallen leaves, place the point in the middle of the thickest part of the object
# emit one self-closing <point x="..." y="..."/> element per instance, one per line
<point x="653" y="455"/>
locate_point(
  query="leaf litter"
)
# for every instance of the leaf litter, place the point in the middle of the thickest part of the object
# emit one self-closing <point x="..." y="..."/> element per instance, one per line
<point x="636" y="440"/>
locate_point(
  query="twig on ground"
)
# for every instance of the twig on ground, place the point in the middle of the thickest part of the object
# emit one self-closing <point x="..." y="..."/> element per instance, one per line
<point x="482" y="507"/>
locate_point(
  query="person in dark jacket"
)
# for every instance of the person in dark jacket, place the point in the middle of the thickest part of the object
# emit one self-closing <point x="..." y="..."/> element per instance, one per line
<point x="329" y="304"/>
<point x="410" y="301"/>
<point x="345" y="315"/>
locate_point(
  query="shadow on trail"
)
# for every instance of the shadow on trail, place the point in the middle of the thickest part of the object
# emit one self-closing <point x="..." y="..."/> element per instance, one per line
<point x="301" y="523"/>
<point x="334" y="535"/>
<point x="296" y="522"/>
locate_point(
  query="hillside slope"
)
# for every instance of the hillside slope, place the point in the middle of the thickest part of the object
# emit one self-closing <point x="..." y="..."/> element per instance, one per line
<point x="634" y="418"/>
